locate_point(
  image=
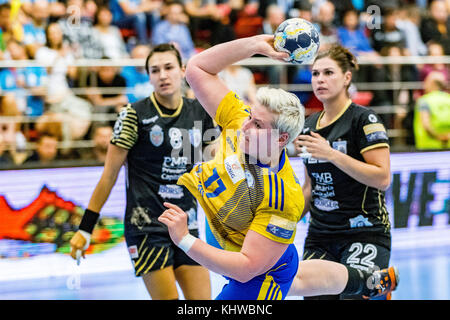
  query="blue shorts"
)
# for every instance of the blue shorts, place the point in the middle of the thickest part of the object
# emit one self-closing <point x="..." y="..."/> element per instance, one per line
<point x="272" y="285"/>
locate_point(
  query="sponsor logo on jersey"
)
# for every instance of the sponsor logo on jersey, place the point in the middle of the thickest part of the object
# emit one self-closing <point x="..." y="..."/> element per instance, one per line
<point x="326" y="204"/>
<point x="281" y="227"/>
<point x="374" y="132"/>
<point x="359" y="222"/>
<point x="234" y="169"/>
<point x="156" y="135"/>
<point x="150" y="120"/>
<point x="133" y="251"/>
<point x="170" y="191"/>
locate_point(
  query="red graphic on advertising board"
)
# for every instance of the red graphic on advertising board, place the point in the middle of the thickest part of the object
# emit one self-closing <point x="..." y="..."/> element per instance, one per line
<point x="50" y="221"/>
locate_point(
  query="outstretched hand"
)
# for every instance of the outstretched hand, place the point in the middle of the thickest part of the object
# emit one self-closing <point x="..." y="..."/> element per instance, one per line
<point x="176" y="220"/>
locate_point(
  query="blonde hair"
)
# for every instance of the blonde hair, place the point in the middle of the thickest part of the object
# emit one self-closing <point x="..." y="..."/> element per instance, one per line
<point x="288" y="108"/>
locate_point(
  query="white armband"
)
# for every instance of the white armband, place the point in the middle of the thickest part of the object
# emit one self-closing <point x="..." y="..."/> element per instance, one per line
<point x="187" y="242"/>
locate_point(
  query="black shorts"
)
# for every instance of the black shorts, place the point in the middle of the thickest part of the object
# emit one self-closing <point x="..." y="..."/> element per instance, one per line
<point x="147" y="255"/>
<point x="362" y="255"/>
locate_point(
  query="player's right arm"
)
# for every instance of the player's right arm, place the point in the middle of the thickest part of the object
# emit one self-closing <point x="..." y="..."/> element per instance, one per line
<point x="124" y="137"/>
<point x="202" y="69"/>
<point x="115" y="158"/>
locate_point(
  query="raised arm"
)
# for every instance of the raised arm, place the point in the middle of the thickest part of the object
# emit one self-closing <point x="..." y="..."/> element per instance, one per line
<point x="202" y="69"/>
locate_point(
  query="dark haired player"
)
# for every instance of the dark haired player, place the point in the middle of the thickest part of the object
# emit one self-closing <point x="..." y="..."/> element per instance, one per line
<point x="158" y="139"/>
<point x="346" y="154"/>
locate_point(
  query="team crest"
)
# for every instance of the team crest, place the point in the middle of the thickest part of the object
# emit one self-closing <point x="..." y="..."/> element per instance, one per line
<point x="340" y="146"/>
<point x="195" y="136"/>
<point x="156" y="135"/>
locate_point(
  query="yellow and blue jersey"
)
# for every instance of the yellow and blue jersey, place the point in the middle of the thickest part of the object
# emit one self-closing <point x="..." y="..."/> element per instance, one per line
<point x="237" y="196"/>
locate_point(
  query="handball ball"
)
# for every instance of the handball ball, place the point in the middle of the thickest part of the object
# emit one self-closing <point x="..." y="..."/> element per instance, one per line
<point x="299" y="38"/>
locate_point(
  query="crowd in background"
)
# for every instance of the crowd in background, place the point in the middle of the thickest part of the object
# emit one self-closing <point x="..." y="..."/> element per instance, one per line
<point x="63" y="99"/>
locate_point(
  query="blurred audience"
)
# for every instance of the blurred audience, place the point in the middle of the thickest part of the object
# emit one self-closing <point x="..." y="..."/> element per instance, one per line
<point x="46" y="150"/>
<point x="240" y="80"/>
<point x="352" y="36"/>
<point x="78" y="31"/>
<point x="34" y="30"/>
<point x="107" y="77"/>
<point x="273" y="18"/>
<point x="325" y="25"/>
<point x="137" y="78"/>
<point x="173" y="29"/>
<point x="389" y="34"/>
<point x="432" y="114"/>
<point x="409" y="21"/>
<point x="27" y="84"/>
<point x="113" y="45"/>
<point x="435" y="49"/>
<point x="101" y="135"/>
<point x="10" y="28"/>
<point x="436" y="26"/>
<point x="138" y="15"/>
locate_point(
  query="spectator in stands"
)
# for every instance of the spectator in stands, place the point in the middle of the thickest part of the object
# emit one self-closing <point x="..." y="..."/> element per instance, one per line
<point x="136" y="78"/>
<point x="107" y="77"/>
<point x="352" y="36"/>
<point x="113" y="45"/>
<point x="408" y="21"/>
<point x="46" y="150"/>
<point x="240" y="80"/>
<point x="388" y="34"/>
<point x="437" y="25"/>
<point x="9" y="27"/>
<point x="435" y="49"/>
<point x="13" y="139"/>
<point x="60" y="57"/>
<point x="34" y="31"/>
<point x="325" y="25"/>
<point x="432" y="114"/>
<point x="273" y="18"/>
<point x="173" y="29"/>
<point x="101" y="136"/>
<point x="401" y="98"/>
<point x="210" y="22"/>
<point x="73" y="112"/>
<point x="78" y="31"/>
<point x="26" y="84"/>
<point x="304" y="9"/>
<point x="138" y="15"/>
<point x="5" y="156"/>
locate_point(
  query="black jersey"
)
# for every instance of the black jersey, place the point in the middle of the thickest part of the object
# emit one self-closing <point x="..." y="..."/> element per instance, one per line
<point x="161" y="148"/>
<point x="341" y="206"/>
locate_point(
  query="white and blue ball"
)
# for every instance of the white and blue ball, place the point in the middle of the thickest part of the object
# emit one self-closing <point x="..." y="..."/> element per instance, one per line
<point x="299" y="38"/>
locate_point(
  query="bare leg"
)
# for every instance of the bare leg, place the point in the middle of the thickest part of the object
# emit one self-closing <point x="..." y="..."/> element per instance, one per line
<point x="319" y="277"/>
<point x="161" y="285"/>
<point x="194" y="281"/>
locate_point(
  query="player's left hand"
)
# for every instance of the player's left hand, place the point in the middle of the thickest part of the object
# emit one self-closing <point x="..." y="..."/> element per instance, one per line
<point x="316" y="145"/>
<point x="176" y="220"/>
